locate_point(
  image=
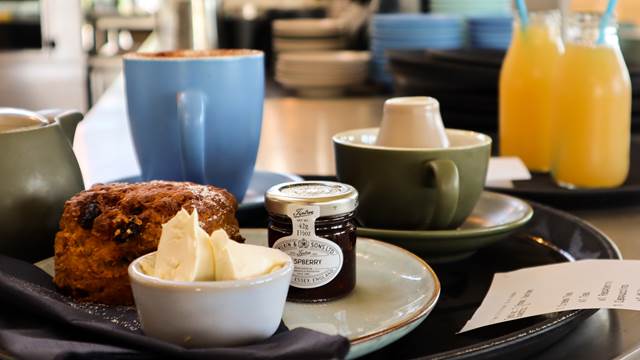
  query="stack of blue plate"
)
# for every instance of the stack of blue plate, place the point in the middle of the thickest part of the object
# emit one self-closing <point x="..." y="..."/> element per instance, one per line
<point x="471" y="7"/>
<point x="490" y="32"/>
<point x="411" y="31"/>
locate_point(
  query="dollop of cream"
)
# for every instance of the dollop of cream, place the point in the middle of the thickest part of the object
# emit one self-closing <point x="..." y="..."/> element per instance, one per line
<point x="187" y="253"/>
<point x="243" y="261"/>
<point x="184" y="252"/>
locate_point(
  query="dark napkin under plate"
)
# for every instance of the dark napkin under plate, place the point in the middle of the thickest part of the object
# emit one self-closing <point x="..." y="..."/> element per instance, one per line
<point x="37" y="322"/>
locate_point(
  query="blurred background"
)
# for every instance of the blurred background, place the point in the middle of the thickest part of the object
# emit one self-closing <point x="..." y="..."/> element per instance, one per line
<point x="66" y="53"/>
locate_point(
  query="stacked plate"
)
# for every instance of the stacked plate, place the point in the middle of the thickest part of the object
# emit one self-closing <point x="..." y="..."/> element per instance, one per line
<point x="471" y="7"/>
<point x="411" y="31"/>
<point x="464" y="81"/>
<point x="307" y="35"/>
<point x="630" y="44"/>
<point x="490" y="32"/>
<point x="322" y="74"/>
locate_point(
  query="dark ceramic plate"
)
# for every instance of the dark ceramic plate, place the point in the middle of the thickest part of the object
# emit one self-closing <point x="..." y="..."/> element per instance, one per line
<point x="542" y="188"/>
<point x="460" y="110"/>
<point x="463" y="74"/>
<point x="475" y="57"/>
<point x="464" y="81"/>
<point x="485" y="103"/>
<point x="552" y="236"/>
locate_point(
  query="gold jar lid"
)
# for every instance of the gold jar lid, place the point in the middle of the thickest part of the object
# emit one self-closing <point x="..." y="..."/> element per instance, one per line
<point x="332" y="198"/>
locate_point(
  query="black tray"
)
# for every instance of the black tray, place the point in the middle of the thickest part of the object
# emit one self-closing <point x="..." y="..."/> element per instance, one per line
<point x="552" y="236"/>
<point x="542" y="188"/>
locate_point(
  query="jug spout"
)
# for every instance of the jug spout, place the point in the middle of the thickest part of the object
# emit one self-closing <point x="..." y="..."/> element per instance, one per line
<point x="67" y="119"/>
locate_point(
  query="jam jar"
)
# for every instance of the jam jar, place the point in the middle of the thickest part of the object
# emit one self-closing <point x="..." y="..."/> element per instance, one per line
<point x="312" y="221"/>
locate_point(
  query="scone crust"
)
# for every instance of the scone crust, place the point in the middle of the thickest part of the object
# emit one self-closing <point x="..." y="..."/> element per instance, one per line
<point x="106" y="227"/>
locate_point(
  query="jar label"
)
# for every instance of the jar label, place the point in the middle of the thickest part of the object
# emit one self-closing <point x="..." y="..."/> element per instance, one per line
<point x="316" y="261"/>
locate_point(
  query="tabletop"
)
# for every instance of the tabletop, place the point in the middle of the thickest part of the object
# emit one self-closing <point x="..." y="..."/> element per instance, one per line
<point x="296" y="138"/>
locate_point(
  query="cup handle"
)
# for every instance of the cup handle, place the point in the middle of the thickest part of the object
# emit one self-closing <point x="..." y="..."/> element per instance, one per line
<point x="447" y="182"/>
<point x="191" y="107"/>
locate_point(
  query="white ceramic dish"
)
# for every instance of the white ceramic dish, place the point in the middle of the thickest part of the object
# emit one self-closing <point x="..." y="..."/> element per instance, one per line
<point x="320" y="72"/>
<point x="280" y="44"/>
<point x="298" y="81"/>
<point x="323" y="73"/>
<point x="317" y="91"/>
<point x="318" y="58"/>
<point x="302" y="82"/>
<point x="329" y="72"/>
<point x="307" y="27"/>
<point x="209" y="313"/>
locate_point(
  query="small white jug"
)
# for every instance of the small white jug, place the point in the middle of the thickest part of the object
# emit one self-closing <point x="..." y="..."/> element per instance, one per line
<point x="412" y="122"/>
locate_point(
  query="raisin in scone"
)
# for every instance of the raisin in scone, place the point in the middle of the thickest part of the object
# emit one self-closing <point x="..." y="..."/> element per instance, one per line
<point x="106" y="227"/>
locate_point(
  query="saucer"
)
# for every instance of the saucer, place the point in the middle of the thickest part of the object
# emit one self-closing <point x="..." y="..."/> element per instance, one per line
<point x="260" y="182"/>
<point x="494" y="218"/>
<point x="322" y="73"/>
<point x="395" y="291"/>
<point x="307" y="28"/>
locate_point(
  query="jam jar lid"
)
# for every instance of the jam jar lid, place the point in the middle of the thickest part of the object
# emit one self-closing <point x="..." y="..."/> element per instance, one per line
<point x="332" y="198"/>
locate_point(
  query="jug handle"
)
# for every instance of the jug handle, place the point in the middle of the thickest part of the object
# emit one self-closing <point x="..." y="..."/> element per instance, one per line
<point x="191" y="106"/>
<point x="447" y="182"/>
<point x="67" y="119"/>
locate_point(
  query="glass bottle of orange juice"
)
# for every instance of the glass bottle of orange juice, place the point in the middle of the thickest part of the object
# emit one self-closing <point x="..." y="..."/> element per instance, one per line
<point x="592" y="117"/>
<point x="526" y="79"/>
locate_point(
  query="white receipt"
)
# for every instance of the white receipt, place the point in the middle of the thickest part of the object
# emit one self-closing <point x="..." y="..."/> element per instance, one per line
<point x="585" y="284"/>
<point x="503" y="170"/>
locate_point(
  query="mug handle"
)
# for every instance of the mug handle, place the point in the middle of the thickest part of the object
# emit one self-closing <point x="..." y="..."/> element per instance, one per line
<point x="447" y="181"/>
<point x="191" y="106"/>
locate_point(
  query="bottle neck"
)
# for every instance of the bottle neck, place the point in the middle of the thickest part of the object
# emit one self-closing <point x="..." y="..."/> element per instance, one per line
<point x="550" y="20"/>
<point x="584" y="29"/>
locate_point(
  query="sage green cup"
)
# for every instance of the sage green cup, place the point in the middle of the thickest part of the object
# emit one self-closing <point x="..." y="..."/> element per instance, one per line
<point x="413" y="188"/>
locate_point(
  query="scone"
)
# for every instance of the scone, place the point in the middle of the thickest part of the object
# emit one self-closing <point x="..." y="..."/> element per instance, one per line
<point x="106" y="227"/>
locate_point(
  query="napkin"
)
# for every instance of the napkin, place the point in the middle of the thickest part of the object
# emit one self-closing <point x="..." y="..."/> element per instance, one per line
<point x="37" y="322"/>
<point x="503" y="170"/>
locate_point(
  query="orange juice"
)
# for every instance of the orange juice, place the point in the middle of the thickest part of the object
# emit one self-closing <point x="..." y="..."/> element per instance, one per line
<point x="526" y="80"/>
<point x="592" y="121"/>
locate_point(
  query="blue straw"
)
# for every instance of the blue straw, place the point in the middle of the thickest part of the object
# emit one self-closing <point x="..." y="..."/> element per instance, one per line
<point x="522" y="11"/>
<point x="605" y="20"/>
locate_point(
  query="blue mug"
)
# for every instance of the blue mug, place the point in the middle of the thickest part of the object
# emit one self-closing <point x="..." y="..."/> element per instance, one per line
<point x="196" y="115"/>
